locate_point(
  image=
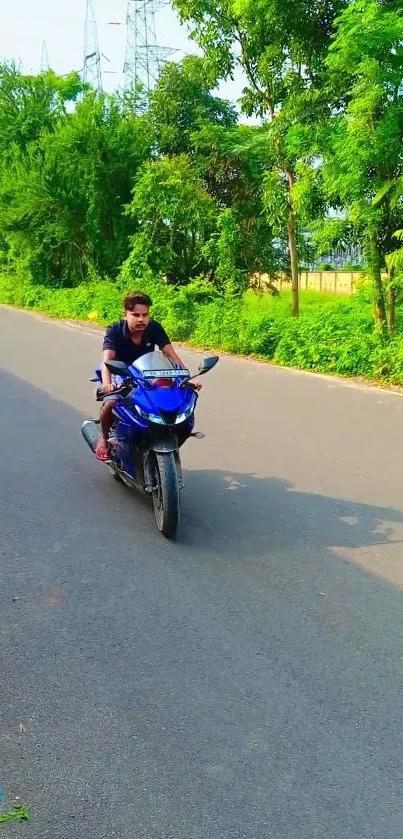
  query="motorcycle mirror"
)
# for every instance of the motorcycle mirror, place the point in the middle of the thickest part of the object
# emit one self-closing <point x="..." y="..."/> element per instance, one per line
<point x="208" y="363"/>
<point x="117" y="367"/>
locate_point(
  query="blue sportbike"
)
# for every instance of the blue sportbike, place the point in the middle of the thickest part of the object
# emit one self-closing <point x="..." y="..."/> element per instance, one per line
<point x="153" y="417"/>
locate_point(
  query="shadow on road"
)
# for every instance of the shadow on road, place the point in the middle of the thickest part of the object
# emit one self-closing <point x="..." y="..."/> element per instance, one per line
<point x="237" y="510"/>
<point x="266" y="528"/>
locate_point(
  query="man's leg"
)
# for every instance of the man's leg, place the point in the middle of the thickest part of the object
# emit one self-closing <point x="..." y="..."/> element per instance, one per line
<point x="106" y="420"/>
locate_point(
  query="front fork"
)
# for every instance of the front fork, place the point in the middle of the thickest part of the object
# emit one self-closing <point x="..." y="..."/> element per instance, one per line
<point x="149" y="480"/>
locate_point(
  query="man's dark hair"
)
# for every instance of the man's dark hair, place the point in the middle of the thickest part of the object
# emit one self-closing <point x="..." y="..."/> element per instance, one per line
<point x="136" y="298"/>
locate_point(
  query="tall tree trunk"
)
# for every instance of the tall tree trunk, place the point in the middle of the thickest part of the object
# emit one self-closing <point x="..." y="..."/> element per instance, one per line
<point x="292" y="245"/>
<point x="380" y="307"/>
<point x="391" y="303"/>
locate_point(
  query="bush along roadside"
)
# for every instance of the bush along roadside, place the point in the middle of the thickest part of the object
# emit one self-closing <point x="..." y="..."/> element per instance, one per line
<point x="333" y="335"/>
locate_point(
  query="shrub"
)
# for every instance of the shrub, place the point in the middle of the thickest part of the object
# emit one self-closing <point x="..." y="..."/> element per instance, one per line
<point x="332" y="334"/>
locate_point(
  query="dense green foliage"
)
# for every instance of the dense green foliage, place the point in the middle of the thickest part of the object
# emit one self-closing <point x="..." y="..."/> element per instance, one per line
<point x="86" y="183"/>
<point x="185" y="200"/>
<point x="281" y="46"/>
<point x="332" y="335"/>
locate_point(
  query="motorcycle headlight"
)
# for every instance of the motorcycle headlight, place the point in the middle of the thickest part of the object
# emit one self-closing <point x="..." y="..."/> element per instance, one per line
<point x="151" y="417"/>
<point x="186" y="414"/>
<point x="160" y="421"/>
<point x="156" y="418"/>
<point x="182" y="417"/>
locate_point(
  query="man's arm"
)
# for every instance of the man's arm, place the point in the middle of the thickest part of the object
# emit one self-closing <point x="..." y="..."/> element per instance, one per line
<point x="107" y="355"/>
<point x="170" y="353"/>
<point x="164" y="343"/>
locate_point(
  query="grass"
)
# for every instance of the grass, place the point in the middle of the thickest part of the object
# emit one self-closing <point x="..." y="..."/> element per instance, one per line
<point x="18" y="813"/>
<point x="332" y="335"/>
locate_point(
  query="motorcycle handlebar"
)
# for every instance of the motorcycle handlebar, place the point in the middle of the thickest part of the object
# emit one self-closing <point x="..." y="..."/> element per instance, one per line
<point x="100" y="392"/>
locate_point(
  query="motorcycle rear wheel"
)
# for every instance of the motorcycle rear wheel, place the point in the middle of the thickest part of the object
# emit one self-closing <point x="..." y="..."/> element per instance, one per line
<point x="115" y="474"/>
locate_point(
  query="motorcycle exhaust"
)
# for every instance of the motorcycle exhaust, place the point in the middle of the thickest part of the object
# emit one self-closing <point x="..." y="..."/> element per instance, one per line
<point x="90" y="432"/>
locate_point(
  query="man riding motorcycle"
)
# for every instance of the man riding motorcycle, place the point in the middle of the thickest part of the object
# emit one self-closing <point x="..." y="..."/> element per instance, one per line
<point x="126" y="340"/>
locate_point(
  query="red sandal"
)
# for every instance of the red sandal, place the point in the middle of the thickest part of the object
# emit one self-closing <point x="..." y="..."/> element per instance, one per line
<point x="102" y="451"/>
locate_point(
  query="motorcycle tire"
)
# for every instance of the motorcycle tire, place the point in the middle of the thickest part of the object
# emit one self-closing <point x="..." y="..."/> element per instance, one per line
<point x="166" y="494"/>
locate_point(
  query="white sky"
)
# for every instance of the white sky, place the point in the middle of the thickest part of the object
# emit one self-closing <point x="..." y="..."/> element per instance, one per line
<point x="24" y="24"/>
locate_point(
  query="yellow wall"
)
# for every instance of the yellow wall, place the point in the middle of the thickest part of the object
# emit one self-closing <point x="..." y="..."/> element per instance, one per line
<point x="336" y="282"/>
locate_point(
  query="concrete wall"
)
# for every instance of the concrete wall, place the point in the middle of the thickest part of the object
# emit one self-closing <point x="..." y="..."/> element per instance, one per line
<point x="336" y="282"/>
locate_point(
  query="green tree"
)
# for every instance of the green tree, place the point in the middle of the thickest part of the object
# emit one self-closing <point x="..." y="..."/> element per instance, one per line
<point x="281" y="46"/>
<point x="31" y="104"/>
<point x="223" y="254"/>
<point x="233" y="163"/>
<point x="174" y="217"/>
<point x="364" y="148"/>
<point x="182" y="104"/>
<point x="394" y="253"/>
<point x="186" y="118"/>
<point x="62" y="196"/>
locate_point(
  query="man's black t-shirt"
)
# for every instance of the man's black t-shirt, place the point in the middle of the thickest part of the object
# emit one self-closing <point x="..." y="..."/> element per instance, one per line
<point x="118" y="338"/>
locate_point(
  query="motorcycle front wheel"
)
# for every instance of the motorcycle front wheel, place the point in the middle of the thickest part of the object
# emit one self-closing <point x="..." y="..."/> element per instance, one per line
<point x="166" y="493"/>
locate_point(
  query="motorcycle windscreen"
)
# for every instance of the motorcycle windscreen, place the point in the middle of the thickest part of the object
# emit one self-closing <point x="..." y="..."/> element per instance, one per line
<point x="151" y="361"/>
<point x="158" y="369"/>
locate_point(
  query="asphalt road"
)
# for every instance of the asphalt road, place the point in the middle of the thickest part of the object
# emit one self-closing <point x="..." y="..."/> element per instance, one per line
<point x="245" y="682"/>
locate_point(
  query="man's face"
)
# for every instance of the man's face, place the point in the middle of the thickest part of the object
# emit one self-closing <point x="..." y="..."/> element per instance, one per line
<point x="137" y="319"/>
